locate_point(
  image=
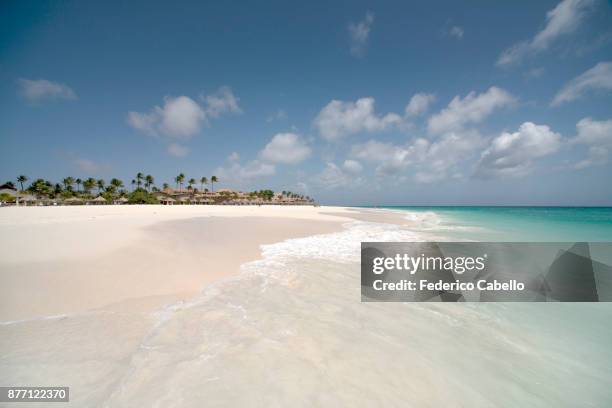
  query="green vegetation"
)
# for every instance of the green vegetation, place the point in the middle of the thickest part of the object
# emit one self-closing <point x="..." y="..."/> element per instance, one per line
<point x="6" y="198"/>
<point x="141" y="196"/>
<point x="144" y="191"/>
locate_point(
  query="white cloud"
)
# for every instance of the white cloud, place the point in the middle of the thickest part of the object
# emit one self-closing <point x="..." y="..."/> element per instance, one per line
<point x="42" y="89"/>
<point x="222" y="101"/>
<point x="564" y="19"/>
<point x="597" y="135"/>
<point x="471" y="109"/>
<point x="181" y="117"/>
<point x="419" y="103"/>
<point x="512" y="154"/>
<point x="333" y="177"/>
<point x="286" y="148"/>
<point x="428" y="161"/>
<point x="338" y="119"/>
<point x="391" y="158"/>
<point x="352" y="166"/>
<point x="443" y="157"/>
<point x="456" y="32"/>
<point x="359" y="34"/>
<point x="236" y="172"/>
<point x="177" y="150"/>
<point x="597" y="78"/>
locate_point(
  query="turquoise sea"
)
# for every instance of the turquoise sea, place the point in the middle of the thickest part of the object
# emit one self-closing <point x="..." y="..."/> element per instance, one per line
<point x="546" y="224"/>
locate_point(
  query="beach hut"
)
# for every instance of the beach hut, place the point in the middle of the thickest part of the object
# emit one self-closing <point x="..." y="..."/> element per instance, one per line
<point x="167" y="200"/>
<point x="73" y="201"/>
<point x="120" y="200"/>
<point x="26" y="199"/>
<point x="98" y="200"/>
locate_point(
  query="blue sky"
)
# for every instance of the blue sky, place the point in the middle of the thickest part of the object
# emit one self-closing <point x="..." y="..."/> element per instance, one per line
<point x="350" y="102"/>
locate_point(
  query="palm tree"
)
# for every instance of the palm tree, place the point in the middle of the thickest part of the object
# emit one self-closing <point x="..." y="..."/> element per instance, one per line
<point x="179" y="180"/>
<point x="149" y="181"/>
<point x="78" y="183"/>
<point x="165" y="186"/>
<point x="100" y="185"/>
<point x="22" y="179"/>
<point x="213" y="180"/>
<point x="191" y="182"/>
<point x="133" y="184"/>
<point x="139" y="178"/>
<point x="68" y="182"/>
<point x="203" y="181"/>
<point x="89" y="184"/>
<point x="116" y="183"/>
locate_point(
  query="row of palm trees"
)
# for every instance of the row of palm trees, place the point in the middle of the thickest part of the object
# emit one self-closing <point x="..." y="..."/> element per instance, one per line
<point x="180" y="179"/>
<point x="141" y="182"/>
<point x="88" y="184"/>
<point x="142" y="187"/>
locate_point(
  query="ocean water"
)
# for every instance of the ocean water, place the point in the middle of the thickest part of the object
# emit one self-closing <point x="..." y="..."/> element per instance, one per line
<point x="544" y="224"/>
<point x="290" y="330"/>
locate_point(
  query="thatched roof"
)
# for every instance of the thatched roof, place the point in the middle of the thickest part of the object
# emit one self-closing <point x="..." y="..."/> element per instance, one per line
<point x="26" y="198"/>
<point x="99" y="199"/>
<point x="167" y="199"/>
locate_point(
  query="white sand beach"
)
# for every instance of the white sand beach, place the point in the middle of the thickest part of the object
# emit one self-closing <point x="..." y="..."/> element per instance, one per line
<point x="62" y="260"/>
<point x="154" y="306"/>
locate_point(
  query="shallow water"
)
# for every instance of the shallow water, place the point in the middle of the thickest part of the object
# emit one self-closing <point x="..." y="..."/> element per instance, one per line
<point x="547" y="224"/>
<point x="292" y="331"/>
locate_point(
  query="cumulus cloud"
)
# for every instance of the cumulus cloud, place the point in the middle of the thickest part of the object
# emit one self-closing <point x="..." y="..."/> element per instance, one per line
<point x="419" y="103"/>
<point x="182" y="117"/>
<point x="359" y="34"/>
<point x="334" y="177"/>
<point x="352" y="166"/>
<point x="220" y="102"/>
<point x="597" y="136"/>
<point x="177" y="150"/>
<point x="179" y="117"/>
<point x="512" y="154"/>
<point x="427" y="161"/>
<point x="456" y="31"/>
<point x="564" y="19"/>
<point x="287" y="148"/>
<point x="236" y="172"/>
<point x="339" y="119"/>
<point x="391" y="158"/>
<point x="41" y="89"/>
<point x="598" y="78"/>
<point x="474" y="108"/>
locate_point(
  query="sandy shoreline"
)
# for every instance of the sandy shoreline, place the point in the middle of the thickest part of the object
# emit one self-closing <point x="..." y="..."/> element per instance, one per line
<point x="66" y="260"/>
<point x="150" y="306"/>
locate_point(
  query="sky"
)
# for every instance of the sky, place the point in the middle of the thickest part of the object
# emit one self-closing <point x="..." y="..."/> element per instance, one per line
<point x="352" y="103"/>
